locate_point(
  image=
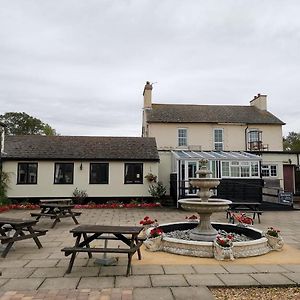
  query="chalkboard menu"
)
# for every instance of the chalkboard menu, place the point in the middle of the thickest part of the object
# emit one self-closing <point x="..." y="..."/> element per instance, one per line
<point x="285" y="198"/>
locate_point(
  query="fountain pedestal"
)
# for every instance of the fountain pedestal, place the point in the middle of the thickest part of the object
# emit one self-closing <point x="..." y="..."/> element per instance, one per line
<point x="204" y="206"/>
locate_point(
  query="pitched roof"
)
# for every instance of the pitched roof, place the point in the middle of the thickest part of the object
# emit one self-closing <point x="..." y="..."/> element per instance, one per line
<point x="185" y="113"/>
<point x="79" y="148"/>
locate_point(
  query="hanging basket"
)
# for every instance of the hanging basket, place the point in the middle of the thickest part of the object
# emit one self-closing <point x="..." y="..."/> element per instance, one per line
<point x="275" y="243"/>
<point x="223" y="253"/>
<point x="153" y="244"/>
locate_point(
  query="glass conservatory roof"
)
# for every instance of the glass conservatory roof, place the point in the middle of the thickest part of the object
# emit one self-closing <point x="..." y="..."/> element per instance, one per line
<point x="215" y="155"/>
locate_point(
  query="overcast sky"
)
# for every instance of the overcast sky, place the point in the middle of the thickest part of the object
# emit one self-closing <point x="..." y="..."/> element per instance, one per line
<point x="81" y="65"/>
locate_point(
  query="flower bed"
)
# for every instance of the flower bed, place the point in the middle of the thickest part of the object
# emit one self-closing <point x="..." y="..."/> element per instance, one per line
<point x="87" y="206"/>
<point x="119" y="205"/>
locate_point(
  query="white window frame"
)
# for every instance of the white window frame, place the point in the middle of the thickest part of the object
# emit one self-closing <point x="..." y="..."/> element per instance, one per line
<point x="239" y="166"/>
<point x="270" y="168"/>
<point x="218" y="143"/>
<point x="182" y="140"/>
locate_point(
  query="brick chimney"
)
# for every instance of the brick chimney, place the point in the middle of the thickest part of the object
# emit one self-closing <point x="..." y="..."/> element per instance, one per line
<point x="259" y="101"/>
<point x="147" y="95"/>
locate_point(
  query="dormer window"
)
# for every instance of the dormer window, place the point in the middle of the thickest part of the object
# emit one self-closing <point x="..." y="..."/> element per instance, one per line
<point x="182" y="137"/>
<point x="218" y="139"/>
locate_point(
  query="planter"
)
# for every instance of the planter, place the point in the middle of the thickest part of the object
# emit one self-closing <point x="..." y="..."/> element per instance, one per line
<point x="223" y="253"/>
<point x="153" y="244"/>
<point x="275" y="243"/>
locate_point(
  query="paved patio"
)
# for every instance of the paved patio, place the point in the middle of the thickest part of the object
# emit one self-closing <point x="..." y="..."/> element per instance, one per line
<point x="32" y="273"/>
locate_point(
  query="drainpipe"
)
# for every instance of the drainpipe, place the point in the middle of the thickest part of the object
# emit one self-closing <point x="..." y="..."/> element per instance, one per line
<point x="246" y="138"/>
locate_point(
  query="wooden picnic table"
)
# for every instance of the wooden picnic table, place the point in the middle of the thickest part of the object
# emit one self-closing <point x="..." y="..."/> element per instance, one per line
<point x="244" y="207"/>
<point x="85" y="234"/>
<point x="23" y="229"/>
<point x="56" y="211"/>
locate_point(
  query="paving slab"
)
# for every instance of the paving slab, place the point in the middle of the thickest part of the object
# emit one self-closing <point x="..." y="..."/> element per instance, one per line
<point x="192" y="293"/>
<point x="17" y="272"/>
<point x="207" y="269"/>
<point x="147" y="269"/>
<point x="79" y="262"/>
<point x="293" y="276"/>
<point x="272" y="279"/>
<point x="292" y="268"/>
<point x="203" y="279"/>
<point x="168" y="280"/>
<point x="42" y="263"/>
<point x="152" y="293"/>
<point x="96" y="282"/>
<point x="133" y="281"/>
<point x="238" y="280"/>
<point x="48" y="272"/>
<point x="22" y="284"/>
<point x="83" y="272"/>
<point x="59" y="283"/>
<point x="269" y="268"/>
<point x="239" y="269"/>
<point x="112" y="270"/>
<point x="13" y="263"/>
<point x="178" y="269"/>
<point x="39" y="255"/>
<point x="3" y="281"/>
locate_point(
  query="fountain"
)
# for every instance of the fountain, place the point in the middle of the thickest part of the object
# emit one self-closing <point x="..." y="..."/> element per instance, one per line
<point x="201" y="236"/>
<point x="204" y="206"/>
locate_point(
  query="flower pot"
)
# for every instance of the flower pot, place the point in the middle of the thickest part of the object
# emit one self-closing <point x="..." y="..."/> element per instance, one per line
<point x="153" y="244"/>
<point x="223" y="253"/>
<point x="275" y="243"/>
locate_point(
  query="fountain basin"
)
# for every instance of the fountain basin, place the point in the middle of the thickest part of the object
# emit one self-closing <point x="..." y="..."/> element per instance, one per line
<point x="209" y="206"/>
<point x="257" y="246"/>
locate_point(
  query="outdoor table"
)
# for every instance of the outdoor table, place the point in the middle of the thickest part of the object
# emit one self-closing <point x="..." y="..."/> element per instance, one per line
<point x="56" y="211"/>
<point x="23" y="230"/>
<point x="85" y="234"/>
<point x="250" y="207"/>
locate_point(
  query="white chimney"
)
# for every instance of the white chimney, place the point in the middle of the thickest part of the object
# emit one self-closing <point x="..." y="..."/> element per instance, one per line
<point x="147" y="95"/>
<point x="259" y="101"/>
<point x="2" y="133"/>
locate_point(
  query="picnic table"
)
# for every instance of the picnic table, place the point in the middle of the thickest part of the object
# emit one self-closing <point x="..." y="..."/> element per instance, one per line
<point x="23" y="229"/>
<point x="244" y="207"/>
<point x="56" y="211"/>
<point x="85" y="234"/>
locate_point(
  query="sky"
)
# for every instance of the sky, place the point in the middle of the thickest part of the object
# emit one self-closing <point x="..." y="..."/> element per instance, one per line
<point x="81" y="65"/>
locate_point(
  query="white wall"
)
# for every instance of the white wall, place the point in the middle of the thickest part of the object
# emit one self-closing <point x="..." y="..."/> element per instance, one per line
<point x="202" y="134"/>
<point x="45" y="186"/>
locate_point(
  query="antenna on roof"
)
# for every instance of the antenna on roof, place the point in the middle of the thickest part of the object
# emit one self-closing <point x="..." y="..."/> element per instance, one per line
<point x="154" y="82"/>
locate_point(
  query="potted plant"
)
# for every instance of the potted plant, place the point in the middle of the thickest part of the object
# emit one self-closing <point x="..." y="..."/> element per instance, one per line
<point x="147" y="222"/>
<point x="243" y="219"/>
<point x="153" y="241"/>
<point x="223" y="246"/>
<point x="151" y="177"/>
<point x="275" y="240"/>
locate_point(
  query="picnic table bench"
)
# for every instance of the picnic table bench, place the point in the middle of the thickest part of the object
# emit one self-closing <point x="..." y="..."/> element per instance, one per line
<point x="85" y="234"/>
<point x="56" y="211"/>
<point x="244" y="207"/>
<point x="23" y="229"/>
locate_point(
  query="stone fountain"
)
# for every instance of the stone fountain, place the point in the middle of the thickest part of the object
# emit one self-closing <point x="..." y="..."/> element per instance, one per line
<point x="203" y="205"/>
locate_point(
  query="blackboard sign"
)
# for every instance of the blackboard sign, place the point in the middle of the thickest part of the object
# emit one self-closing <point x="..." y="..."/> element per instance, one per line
<point x="285" y="198"/>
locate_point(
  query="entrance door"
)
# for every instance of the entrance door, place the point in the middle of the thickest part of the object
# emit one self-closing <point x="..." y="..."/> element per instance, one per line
<point x="288" y="178"/>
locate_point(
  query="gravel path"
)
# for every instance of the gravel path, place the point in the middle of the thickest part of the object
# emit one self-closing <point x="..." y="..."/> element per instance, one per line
<point x="272" y="293"/>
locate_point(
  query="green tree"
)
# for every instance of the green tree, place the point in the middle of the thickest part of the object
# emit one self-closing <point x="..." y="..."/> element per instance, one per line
<point x="291" y="142"/>
<point x="20" y="123"/>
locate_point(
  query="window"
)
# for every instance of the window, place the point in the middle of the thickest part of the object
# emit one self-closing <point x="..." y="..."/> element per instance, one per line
<point x="63" y="173"/>
<point x="133" y="173"/>
<point x="239" y="169"/>
<point x="99" y="173"/>
<point x="254" y="135"/>
<point x="269" y="170"/>
<point x="218" y="139"/>
<point x="182" y="137"/>
<point x="27" y="173"/>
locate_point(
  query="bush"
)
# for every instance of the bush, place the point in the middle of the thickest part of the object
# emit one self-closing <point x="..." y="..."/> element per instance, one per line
<point x="4" y="180"/>
<point x="157" y="191"/>
<point x="79" y="196"/>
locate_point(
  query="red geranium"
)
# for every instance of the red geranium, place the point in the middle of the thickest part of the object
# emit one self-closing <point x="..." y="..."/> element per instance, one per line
<point x="155" y="232"/>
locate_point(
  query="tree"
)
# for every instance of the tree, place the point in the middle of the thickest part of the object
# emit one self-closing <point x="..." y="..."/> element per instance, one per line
<point x="292" y="142"/>
<point x="18" y="123"/>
